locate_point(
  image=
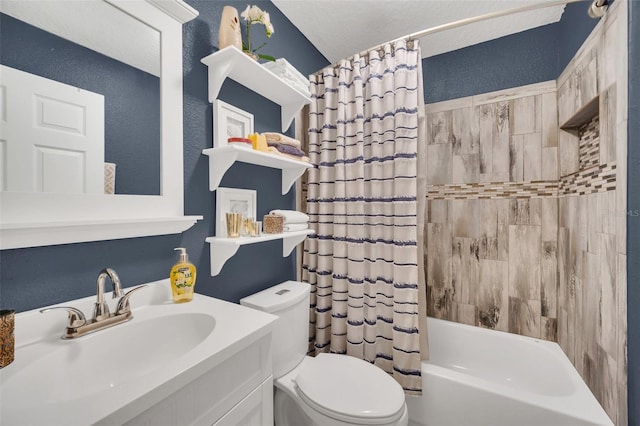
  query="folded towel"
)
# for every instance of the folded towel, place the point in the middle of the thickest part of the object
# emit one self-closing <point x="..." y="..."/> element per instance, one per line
<point x="281" y="66"/>
<point x="287" y="149"/>
<point x="273" y="150"/>
<point x="295" y="227"/>
<point x="282" y="139"/>
<point x="291" y="216"/>
<point x="287" y="73"/>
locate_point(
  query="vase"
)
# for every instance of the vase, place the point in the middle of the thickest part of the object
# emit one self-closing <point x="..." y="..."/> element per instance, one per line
<point x="251" y="55"/>
<point x="229" y="33"/>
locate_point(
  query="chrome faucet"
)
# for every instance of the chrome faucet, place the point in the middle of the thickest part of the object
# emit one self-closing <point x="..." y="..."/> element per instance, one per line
<point x="101" y="309"/>
<point x="77" y="324"/>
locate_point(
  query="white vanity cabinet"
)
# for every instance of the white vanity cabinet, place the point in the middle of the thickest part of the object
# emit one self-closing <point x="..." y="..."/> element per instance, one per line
<point x="231" y="63"/>
<point x="237" y="391"/>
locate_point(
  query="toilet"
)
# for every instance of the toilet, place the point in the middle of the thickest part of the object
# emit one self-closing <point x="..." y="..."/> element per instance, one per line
<point x="326" y="390"/>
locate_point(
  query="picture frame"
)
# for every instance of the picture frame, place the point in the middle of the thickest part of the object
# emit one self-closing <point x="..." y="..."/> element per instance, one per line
<point x="233" y="200"/>
<point x="229" y="122"/>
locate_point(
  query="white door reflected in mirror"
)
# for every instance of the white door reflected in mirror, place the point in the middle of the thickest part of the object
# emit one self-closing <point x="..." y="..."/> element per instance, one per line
<point x="53" y="136"/>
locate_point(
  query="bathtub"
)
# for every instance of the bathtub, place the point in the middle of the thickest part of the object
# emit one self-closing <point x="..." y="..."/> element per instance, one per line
<point x="478" y="377"/>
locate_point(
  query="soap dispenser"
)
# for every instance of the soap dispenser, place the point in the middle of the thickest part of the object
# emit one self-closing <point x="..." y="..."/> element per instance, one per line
<point x="183" y="278"/>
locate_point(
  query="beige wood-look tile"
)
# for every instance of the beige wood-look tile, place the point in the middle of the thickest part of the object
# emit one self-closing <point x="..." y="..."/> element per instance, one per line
<point x="438" y="211"/>
<point x="594" y="221"/>
<point x="503" y="210"/>
<point x="577" y="331"/>
<point x="468" y="314"/>
<point x="591" y="308"/>
<point x="465" y="270"/>
<point x="549" y="279"/>
<point x="621" y="332"/>
<point x="608" y="49"/>
<point x="549" y="329"/>
<point x="488" y="224"/>
<point x="532" y="157"/>
<point x="569" y="153"/>
<point x="465" y="131"/>
<point x="493" y="294"/>
<point x="563" y="335"/>
<point x="440" y="303"/>
<point x="622" y="213"/>
<point x="439" y="164"/>
<point x="527" y="114"/>
<point x="486" y="129"/>
<point x="567" y="98"/>
<point x="516" y="158"/>
<point x="501" y="142"/>
<point x="588" y="85"/>
<point x="549" y="120"/>
<point x="609" y="214"/>
<point x="608" y="126"/>
<point x="466" y="168"/>
<point x="438" y="255"/>
<point x="563" y="269"/>
<point x="607" y="369"/>
<point x="524" y="262"/>
<point x="550" y="164"/>
<point x="608" y="301"/>
<point x="465" y="216"/>
<point x="549" y="219"/>
<point x="525" y="211"/>
<point x="439" y="128"/>
<point x="524" y="317"/>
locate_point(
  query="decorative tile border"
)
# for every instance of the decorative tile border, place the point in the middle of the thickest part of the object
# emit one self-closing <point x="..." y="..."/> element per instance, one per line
<point x="589" y="148"/>
<point x="493" y="190"/>
<point x="595" y="179"/>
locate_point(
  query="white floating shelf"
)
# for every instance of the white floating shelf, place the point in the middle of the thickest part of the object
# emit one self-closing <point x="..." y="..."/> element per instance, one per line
<point x="221" y="158"/>
<point x="43" y="234"/>
<point x="222" y="248"/>
<point x="232" y="63"/>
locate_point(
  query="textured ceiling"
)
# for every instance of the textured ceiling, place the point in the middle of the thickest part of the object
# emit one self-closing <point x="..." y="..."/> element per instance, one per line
<point x="340" y="28"/>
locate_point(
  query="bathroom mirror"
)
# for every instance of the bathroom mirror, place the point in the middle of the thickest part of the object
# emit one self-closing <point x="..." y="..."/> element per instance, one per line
<point x="144" y="39"/>
<point x="96" y="112"/>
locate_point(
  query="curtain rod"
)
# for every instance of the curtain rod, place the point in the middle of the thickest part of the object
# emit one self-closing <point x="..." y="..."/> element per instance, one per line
<point x="472" y="20"/>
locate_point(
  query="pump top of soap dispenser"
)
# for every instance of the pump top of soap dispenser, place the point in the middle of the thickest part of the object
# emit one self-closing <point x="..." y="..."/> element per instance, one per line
<point x="184" y="257"/>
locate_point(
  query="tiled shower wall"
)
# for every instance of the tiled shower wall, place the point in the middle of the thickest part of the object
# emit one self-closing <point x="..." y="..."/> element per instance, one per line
<point x="526" y="223"/>
<point x="492" y="210"/>
<point x="592" y="260"/>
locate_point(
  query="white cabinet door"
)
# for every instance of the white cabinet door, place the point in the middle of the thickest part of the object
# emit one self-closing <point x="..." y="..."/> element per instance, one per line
<point x="255" y="410"/>
<point x="51" y="135"/>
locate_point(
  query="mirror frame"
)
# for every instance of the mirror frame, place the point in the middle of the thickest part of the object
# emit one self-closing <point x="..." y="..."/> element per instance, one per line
<point x="41" y="219"/>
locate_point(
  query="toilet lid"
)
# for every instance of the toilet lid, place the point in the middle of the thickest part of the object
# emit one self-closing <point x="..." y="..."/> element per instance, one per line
<point x="342" y="386"/>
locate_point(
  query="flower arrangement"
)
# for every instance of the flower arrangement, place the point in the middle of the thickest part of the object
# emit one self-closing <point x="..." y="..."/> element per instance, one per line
<point x="255" y="15"/>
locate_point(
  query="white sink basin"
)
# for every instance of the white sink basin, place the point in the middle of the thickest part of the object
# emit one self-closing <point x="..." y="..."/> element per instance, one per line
<point x="96" y="378"/>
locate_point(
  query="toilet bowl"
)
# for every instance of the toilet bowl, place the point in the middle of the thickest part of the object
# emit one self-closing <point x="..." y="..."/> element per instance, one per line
<point x="326" y="390"/>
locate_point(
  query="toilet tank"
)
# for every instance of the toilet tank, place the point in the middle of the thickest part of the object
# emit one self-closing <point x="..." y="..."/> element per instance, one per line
<point x="290" y="302"/>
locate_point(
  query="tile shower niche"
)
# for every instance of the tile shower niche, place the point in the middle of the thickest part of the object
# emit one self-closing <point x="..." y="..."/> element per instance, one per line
<point x="585" y="125"/>
<point x="592" y="176"/>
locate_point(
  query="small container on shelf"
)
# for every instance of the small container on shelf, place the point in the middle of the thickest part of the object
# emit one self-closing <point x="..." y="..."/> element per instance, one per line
<point x="273" y="224"/>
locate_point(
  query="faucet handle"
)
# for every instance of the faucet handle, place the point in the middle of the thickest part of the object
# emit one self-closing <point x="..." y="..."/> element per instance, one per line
<point x="123" y="303"/>
<point x="76" y="317"/>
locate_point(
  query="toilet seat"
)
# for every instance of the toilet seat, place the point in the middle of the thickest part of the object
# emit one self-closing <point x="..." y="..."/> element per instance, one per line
<point x="350" y="390"/>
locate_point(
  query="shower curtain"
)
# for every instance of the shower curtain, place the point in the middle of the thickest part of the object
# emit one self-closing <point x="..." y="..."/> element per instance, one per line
<point x="362" y="260"/>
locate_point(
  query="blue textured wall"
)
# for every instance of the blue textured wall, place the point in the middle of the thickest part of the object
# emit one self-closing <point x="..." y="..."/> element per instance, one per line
<point x="532" y="56"/>
<point x="132" y="97"/>
<point x="633" y="223"/>
<point x="41" y="276"/>
<point x="524" y="58"/>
